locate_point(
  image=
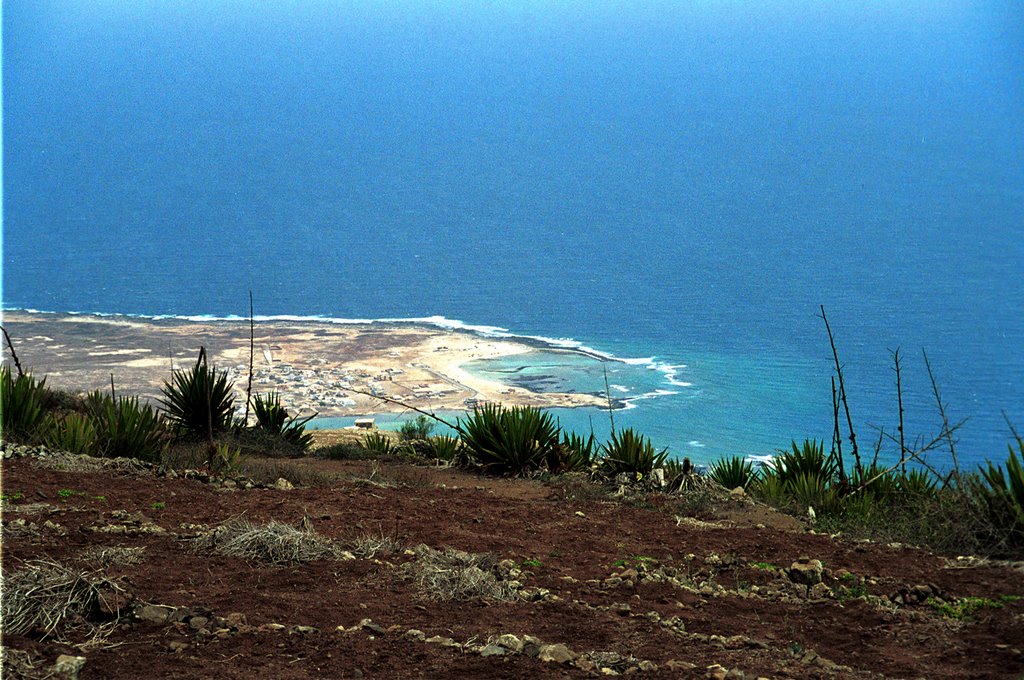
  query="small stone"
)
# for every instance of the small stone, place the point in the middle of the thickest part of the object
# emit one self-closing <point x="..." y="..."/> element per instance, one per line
<point x="273" y="627"/>
<point x="177" y="646"/>
<point x="305" y="630"/>
<point x="648" y="666"/>
<point x="67" y="666"/>
<point x="556" y="653"/>
<point x="628" y="573"/>
<point x="283" y="484"/>
<point x="509" y="642"/>
<point x="198" y="622"/>
<point x="493" y="650"/>
<point x="612" y="582"/>
<point x="676" y="665"/>
<point x="735" y="674"/>
<point x="418" y="634"/>
<point x="716" y="672"/>
<point x="371" y="627"/>
<point x="230" y="484"/>
<point x="621" y="608"/>
<point x="153" y="613"/>
<point x="737" y="492"/>
<point x="235" y="619"/>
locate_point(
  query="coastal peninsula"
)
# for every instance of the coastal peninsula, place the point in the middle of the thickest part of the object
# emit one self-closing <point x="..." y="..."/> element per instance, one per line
<point x="317" y="366"/>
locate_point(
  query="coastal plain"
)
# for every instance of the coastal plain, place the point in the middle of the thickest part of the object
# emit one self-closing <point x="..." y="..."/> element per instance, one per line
<point x="323" y="367"/>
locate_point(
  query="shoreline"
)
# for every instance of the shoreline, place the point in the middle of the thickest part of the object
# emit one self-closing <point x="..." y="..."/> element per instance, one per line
<point x="313" y="363"/>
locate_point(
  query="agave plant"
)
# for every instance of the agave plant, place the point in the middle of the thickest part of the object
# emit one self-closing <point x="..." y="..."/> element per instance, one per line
<point x="1002" y="493"/>
<point x="22" y="415"/>
<point x="199" y="399"/>
<point x="378" y="443"/>
<point x="74" y="433"/>
<point x="273" y="418"/>
<point x="445" y="447"/>
<point x="126" y="427"/>
<point x="876" y="482"/>
<point x="576" y="453"/>
<point x="917" y="483"/>
<point x="808" y="460"/>
<point x="734" y="472"/>
<point x="629" y="451"/>
<point x="514" y="440"/>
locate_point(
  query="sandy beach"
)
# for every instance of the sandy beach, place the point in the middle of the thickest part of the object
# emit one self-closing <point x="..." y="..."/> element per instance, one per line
<point x="316" y="366"/>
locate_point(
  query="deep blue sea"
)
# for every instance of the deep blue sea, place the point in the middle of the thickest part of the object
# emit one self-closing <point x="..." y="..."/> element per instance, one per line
<point x="684" y="182"/>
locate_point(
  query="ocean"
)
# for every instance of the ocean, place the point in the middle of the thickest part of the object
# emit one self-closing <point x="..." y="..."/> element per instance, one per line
<point x="677" y="184"/>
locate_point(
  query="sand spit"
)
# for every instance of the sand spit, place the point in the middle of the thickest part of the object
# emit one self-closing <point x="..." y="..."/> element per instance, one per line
<point x="315" y="366"/>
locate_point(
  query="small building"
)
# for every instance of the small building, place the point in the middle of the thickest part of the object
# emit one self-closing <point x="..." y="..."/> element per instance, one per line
<point x="365" y="423"/>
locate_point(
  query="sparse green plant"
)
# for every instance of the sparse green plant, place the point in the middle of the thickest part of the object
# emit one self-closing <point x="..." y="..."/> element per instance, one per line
<point x="65" y="494"/>
<point x="158" y="505"/>
<point x="854" y="592"/>
<point x="12" y="497"/>
<point x="510" y="440"/>
<point x="419" y="427"/>
<point x="766" y="566"/>
<point x="734" y="472"/>
<point x="74" y="433"/>
<point x="532" y="563"/>
<point x="630" y="452"/>
<point x="273" y="418"/>
<point x="199" y="400"/>
<point x="22" y="416"/>
<point x="227" y="460"/>
<point x="966" y="607"/>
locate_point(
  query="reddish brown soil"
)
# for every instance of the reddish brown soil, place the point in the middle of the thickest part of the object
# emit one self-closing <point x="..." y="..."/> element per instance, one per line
<point x="575" y="540"/>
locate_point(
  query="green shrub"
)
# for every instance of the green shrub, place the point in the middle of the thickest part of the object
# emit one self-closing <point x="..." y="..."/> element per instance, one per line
<point x="514" y="440"/>
<point x="445" y="447"/>
<point x="343" y="451"/>
<point x="74" y="433"/>
<point x="22" y="416"/>
<point x="734" y="472"/>
<point x="917" y="483"/>
<point x="125" y="427"/>
<point x="273" y="418"/>
<point x="810" y="490"/>
<point x="999" y="493"/>
<point x="199" y="399"/>
<point x="771" y="489"/>
<point x="417" y="428"/>
<point x="631" y="452"/>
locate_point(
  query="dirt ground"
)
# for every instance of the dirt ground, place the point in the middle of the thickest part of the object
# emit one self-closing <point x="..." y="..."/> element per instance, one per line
<point x="625" y="587"/>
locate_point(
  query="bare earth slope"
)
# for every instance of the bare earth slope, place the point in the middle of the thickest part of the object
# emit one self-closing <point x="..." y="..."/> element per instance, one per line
<point x="623" y="588"/>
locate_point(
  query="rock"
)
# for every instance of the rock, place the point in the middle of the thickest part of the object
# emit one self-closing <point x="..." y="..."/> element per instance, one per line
<point x="509" y="642"/>
<point x="198" y="622"/>
<point x="805" y="571"/>
<point x="556" y="654"/>
<point x="647" y="666"/>
<point x="676" y="665"/>
<point x="304" y="630"/>
<point x="236" y="619"/>
<point x="735" y="674"/>
<point x="628" y="573"/>
<point x="612" y="582"/>
<point x="819" y="591"/>
<point x="67" y="666"/>
<point x="418" y="634"/>
<point x="113" y="602"/>
<point x="154" y="613"/>
<point x="283" y="484"/>
<point x="738" y="491"/>
<point x="177" y="646"/>
<point x="272" y="627"/>
<point x="716" y="672"/>
<point x="370" y="627"/>
<point x="493" y="650"/>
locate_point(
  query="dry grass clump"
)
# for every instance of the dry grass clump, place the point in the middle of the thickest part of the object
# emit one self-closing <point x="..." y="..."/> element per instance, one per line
<point x="19" y="664"/>
<point x="451" y="574"/>
<point x="371" y="545"/>
<point x="46" y="596"/>
<point x="104" y="557"/>
<point x="273" y="542"/>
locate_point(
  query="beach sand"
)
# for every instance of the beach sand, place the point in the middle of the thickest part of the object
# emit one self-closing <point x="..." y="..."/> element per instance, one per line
<point x="316" y="366"/>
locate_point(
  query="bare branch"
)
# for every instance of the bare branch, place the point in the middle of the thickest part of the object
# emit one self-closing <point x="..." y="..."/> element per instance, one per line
<point x="14" y="355"/>
<point x="248" y="388"/>
<point x="945" y="421"/>
<point x="842" y="391"/>
<point x="899" y="399"/>
<point x="608" y="395"/>
<point x="389" y="400"/>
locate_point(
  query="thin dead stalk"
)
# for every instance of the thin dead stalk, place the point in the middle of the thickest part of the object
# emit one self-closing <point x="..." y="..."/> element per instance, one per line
<point x="14" y="355"/>
<point x="398" y="402"/>
<point x="899" y="399"/>
<point x="608" y="395"/>
<point x="252" y="346"/>
<point x="842" y="391"/>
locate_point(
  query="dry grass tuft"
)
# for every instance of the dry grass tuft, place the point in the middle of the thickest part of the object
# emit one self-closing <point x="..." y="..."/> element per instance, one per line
<point x="103" y="557"/>
<point x="371" y="545"/>
<point x="47" y="597"/>
<point x="451" y="574"/>
<point x="274" y="542"/>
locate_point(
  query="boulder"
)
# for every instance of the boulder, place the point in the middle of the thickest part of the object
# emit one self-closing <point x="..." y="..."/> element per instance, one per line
<point x="68" y="666"/>
<point x="805" y="571"/>
<point x="556" y="654"/>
